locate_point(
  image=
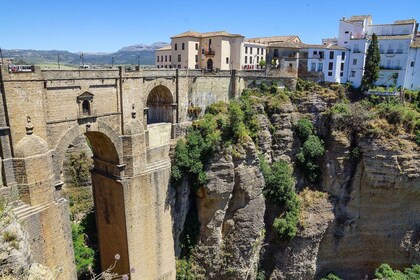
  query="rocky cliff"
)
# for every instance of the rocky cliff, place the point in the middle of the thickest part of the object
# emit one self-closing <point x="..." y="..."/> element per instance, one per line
<point x="361" y="213"/>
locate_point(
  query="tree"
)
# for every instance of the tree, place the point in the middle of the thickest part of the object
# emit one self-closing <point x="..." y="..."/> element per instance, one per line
<point x="262" y="63"/>
<point x="373" y="58"/>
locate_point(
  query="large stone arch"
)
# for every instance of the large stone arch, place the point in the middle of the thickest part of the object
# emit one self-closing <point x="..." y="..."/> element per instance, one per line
<point x="108" y="190"/>
<point x="76" y="131"/>
<point x="160" y="104"/>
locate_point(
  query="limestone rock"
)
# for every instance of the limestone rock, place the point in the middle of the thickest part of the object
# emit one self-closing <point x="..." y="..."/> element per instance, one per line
<point x="231" y="209"/>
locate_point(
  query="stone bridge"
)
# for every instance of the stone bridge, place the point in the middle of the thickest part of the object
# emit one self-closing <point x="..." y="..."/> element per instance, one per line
<point x="131" y="118"/>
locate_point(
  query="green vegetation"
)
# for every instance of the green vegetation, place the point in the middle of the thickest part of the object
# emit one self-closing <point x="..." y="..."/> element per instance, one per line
<point x="279" y="188"/>
<point x="79" y="165"/>
<point x="83" y="254"/>
<point x="385" y="272"/>
<point x="330" y="276"/>
<point x="373" y="59"/>
<point x="311" y="150"/>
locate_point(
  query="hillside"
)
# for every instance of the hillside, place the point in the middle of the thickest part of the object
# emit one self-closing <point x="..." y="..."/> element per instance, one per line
<point x="126" y="55"/>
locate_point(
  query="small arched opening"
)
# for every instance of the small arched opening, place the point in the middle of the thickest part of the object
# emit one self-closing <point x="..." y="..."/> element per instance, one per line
<point x="159" y="102"/>
<point x="210" y="64"/>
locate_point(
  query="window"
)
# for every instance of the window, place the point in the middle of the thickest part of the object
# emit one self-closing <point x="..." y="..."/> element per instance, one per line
<point x="202" y="51"/>
<point x="330" y="66"/>
<point x="342" y="67"/>
<point x="183" y="46"/>
<point x="166" y="66"/>
<point x="179" y="58"/>
<point x="321" y="55"/>
<point x="320" y="66"/>
<point x="170" y="56"/>
<point x="315" y="52"/>
<point x="343" y="55"/>
<point x="313" y="66"/>
<point x="346" y="32"/>
<point x="196" y="66"/>
<point x="157" y="58"/>
<point x="196" y="46"/>
<point x="258" y="51"/>
<point x="276" y="53"/>
<point x="179" y="66"/>
<point x="246" y="49"/>
<point x="346" y="42"/>
<point x="356" y="48"/>
<point x="262" y="51"/>
<point x="161" y="58"/>
<point x="412" y="64"/>
<point x="341" y="74"/>
<point x="331" y="55"/>
<point x="196" y="58"/>
<point x="354" y="61"/>
<point x="176" y="46"/>
<point x="227" y="60"/>
<point x="329" y="74"/>
<point x="353" y="74"/>
<point x="250" y="50"/>
<point x="250" y="60"/>
<point x="86" y="108"/>
<point x="258" y="59"/>
<point x="166" y="58"/>
<point x="158" y="66"/>
<point x="246" y="59"/>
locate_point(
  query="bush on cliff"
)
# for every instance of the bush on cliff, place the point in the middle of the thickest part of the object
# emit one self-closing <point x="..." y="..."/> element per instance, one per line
<point x="280" y="188"/>
<point x="385" y="272"/>
<point x="331" y="276"/>
<point x="308" y="157"/>
<point x="304" y="128"/>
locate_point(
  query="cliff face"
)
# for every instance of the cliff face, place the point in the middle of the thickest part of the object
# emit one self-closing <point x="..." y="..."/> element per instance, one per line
<point x="231" y="210"/>
<point x="365" y="214"/>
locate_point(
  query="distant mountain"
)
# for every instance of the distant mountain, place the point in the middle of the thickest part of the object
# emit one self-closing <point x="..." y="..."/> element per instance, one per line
<point x="126" y="55"/>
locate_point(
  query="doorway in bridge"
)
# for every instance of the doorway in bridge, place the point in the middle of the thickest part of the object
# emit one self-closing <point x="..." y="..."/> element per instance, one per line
<point x="159" y="102"/>
<point x="90" y="176"/>
<point x="210" y="64"/>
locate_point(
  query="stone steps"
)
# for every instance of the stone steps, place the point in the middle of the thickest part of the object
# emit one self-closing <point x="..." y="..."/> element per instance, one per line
<point x="23" y="211"/>
<point x="161" y="164"/>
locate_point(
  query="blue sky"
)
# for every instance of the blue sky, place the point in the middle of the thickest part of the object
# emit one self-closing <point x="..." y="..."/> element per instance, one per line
<point x="108" y="25"/>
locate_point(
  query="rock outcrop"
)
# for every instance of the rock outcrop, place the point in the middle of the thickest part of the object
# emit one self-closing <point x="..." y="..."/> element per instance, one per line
<point x="231" y="210"/>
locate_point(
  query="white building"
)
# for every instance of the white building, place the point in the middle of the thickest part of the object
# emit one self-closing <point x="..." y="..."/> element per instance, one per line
<point x="396" y="44"/>
<point x="331" y="60"/>
<point x="164" y="57"/>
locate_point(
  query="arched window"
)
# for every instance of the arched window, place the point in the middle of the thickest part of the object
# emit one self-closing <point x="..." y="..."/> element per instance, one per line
<point x="86" y="107"/>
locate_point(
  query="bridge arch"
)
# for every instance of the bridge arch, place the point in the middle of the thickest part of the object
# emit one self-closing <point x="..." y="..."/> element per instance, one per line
<point x="160" y="105"/>
<point x="107" y="187"/>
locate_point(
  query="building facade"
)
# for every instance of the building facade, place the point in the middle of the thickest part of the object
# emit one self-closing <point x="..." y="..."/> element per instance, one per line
<point x="397" y="46"/>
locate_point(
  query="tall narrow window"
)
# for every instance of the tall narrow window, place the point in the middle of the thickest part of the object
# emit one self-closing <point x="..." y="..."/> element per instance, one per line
<point x="246" y="59"/>
<point x="176" y="46"/>
<point x="330" y="66"/>
<point x="331" y="55"/>
<point x="157" y="58"/>
<point x="343" y="55"/>
<point x="250" y="50"/>
<point x="86" y="108"/>
<point x="196" y="46"/>
<point x="246" y="49"/>
<point x="179" y="58"/>
<point x="196" y="58"/>
<point x="227" y="60"/>
<point x="183" y="46"/>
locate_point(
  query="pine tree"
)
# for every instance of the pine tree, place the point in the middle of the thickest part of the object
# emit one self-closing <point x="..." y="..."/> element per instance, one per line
<point x="373" y="58"/>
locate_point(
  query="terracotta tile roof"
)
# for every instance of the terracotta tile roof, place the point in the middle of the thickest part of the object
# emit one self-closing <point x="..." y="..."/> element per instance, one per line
<point x="206" y="34"/>
<point x="188" y="34"/>
<point x="396" y="37"/>
<point x="405" y="21"/>
<point x="359" y="18"/>
<point x="289" y="45"/>
<point x="278" y="39"/>
<point x="166" y="48"/>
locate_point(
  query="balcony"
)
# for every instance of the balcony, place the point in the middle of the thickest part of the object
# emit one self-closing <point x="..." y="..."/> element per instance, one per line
<point x="390" y="67"/>
<point x="209" y="52"/>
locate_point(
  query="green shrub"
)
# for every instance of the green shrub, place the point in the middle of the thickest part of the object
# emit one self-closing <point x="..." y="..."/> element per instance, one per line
<point x="185" y="270"/>
<point x="417" y="137"/>
<point x="279" y="188"/>
<point x="304" y="128"/>
<point x="84" y="255"/>
<point x="308" y="157"/>
<point x="385" y="272"/>
<point x="79" y="169"/>
<point x="330" y="276"/>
